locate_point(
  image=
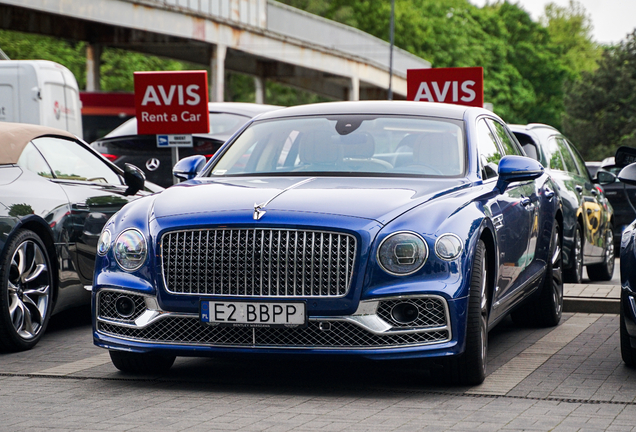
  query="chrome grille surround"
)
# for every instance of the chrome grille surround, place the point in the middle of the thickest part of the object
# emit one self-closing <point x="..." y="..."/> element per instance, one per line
<point x="258" y="262"/>
<point x="344" y="332"/>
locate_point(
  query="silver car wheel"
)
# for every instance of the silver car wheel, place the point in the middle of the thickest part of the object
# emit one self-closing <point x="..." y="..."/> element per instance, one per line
<point x="29" y="289"/>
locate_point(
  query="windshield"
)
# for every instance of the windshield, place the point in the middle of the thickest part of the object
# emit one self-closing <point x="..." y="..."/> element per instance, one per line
<point x="357" y="144"/>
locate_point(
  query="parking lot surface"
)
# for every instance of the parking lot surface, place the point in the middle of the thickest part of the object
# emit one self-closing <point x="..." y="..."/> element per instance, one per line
<point x="566" y="378"/>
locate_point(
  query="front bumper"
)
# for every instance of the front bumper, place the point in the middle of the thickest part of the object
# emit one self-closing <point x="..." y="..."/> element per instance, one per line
<point x="369" y="332"/>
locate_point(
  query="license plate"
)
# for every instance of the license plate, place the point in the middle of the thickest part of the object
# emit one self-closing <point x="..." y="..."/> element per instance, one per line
<point x="253" y="314"/>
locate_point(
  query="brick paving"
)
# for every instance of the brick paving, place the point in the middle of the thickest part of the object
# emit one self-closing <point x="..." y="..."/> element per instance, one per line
<point x="574" y="380"/>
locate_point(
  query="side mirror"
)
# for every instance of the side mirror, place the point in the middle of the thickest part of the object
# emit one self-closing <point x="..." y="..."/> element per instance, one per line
<point x="517" y="168"/>
<point x="625" y="156"/>
<point x="188" y="168"/>
<point x="134" y="179"/>
<point x="604" y="177"/>
<point x="628" y="174"/>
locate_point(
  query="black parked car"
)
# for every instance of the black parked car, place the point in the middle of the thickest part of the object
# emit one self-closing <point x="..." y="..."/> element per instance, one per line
<point x="56" y="194"/>
<point x="617" y="193"/>
<point x="123" y="145"/>
<point x="627" y="175"/>
<point x="588" y="218"/>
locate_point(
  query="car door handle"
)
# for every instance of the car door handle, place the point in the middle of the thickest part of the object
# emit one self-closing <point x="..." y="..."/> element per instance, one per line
<point x="525" y="201"/>
<point x="549" y="193"/>
<point x="590" y="211"/>
<point x="579" y="189"/>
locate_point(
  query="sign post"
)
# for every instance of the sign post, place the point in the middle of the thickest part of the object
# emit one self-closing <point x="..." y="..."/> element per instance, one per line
<point x="462" y="86"/>
<point x="173" y="106"/>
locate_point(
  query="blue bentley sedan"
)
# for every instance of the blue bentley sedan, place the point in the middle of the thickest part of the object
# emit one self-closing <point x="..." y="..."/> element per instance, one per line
<point x="384" y="230"/>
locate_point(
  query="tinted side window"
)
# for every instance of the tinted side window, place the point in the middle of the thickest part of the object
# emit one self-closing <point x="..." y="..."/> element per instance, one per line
<point x="570" y="165"/>
<point x="489" y="153"/>
<point x="71" y="161"/>
<point x="577" y="158"/>
<point x="509" y="146"/>
<point x="554" y="156"/>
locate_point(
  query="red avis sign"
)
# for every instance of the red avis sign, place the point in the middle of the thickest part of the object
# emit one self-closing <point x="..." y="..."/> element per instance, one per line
<point x="462" y="86"/>
<point x="172" y="102"/>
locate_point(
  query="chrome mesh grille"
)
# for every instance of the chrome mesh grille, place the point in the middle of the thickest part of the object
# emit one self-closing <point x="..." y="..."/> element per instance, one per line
<point x="432" y="312"/>
<point x="341" y="335"/>
<point x="106" y="305"/>
<point x="258" y="262"/>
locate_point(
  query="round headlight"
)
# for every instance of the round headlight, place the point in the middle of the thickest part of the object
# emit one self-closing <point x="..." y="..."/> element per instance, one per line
<point x="448" y="247"/>
<point x="103" y="244"/>
<point x="130" y="250"/>
<point x="402" y="253"/>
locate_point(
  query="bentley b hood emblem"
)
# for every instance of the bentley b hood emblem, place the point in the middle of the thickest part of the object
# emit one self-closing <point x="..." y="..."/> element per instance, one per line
<point x="258" y="208"/>
<point x="258" y="211"/>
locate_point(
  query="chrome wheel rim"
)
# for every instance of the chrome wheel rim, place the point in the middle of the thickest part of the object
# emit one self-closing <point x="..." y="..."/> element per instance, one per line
<point x="484" y="314"/>
<point x="557" y="275"/>
<point x="29" y="289"/>
<point x="578" y="255"/>
<point x="609" y="252"/>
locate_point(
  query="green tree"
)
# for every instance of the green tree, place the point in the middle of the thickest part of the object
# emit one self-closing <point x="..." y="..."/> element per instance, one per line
<point x="600" y="108"/>
<point x="570" y="28"/>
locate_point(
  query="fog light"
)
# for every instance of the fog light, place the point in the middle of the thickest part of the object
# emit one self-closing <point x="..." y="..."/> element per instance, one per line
<point x="404" y="313"/>
<point x="124" y="306"/>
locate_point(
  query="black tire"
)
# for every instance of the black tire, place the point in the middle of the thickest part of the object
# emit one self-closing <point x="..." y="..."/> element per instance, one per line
<point x="546" y="309"/>
<point x="26" y="292"/>
<point x="574" y="274"/>
<point x="605" y="270"/>
<point x="137" y="363"/>
<point x="627" y="352"/>
<point x="470" y="367"/>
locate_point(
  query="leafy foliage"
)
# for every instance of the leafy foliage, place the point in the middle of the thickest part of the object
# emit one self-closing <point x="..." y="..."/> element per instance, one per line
<point x="600" y="109"/>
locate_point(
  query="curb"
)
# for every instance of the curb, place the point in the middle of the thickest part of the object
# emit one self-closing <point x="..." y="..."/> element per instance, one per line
<point x="591" y="305"/>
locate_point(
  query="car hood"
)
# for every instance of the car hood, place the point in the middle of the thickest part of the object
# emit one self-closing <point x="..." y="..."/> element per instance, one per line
<point x="380" y="199"/>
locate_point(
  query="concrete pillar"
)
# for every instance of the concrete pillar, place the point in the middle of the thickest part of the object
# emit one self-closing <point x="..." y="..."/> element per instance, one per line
<point x="259" y="90"/>
<point x="217" y="77"/>
<point x="93" y="66"/>
<point x="354" y="89"/>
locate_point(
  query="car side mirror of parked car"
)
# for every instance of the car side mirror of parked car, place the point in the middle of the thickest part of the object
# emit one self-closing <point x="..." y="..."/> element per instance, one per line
<point x="134" y="179"/>
<point x="628" y="174"/>
<point x="517" y="168"/>
<point x="625" y="156"/>
<point x="604" y="177"/>
<point x="188" y="168"/>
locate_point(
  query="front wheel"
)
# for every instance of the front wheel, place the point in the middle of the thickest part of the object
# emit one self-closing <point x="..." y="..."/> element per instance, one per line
<point x="628" y="353"/>
<point x="138" y="363"/>
<point x="575" y="273"/>
<point x="605" y="270"/>
<point x="546" y="309"/>
<point x="26" y="292"/>
<point x="470" y="367"/>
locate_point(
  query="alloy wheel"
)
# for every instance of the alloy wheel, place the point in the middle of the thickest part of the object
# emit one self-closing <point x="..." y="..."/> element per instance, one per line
<point x="29" y="289"/>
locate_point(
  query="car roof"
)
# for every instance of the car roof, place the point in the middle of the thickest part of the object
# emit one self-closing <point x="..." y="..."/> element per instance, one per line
<point x="432" y="109"/>
<point x="15" y="136"/>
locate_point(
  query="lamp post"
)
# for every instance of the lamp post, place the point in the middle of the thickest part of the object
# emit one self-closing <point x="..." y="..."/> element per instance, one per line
<point x="391" y="31"/>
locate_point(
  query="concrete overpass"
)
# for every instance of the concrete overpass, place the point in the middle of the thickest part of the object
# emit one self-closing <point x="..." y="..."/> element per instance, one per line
<point x="262" y="38"/>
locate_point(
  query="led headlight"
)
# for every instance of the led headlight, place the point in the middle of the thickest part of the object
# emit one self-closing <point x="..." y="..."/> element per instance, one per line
<point x="402" y="253"/>
<point x="448" y="247"/>
<point x="130" y="249"/>
<point x="103" y="244"/>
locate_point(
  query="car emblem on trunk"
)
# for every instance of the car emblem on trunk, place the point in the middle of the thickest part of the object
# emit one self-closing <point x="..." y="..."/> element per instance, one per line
<point x="152" y="164"/>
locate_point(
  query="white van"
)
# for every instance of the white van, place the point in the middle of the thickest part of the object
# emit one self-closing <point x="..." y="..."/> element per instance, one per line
<point x="40" y="92"/>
